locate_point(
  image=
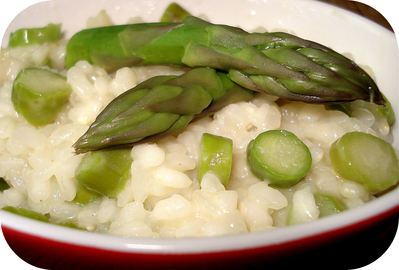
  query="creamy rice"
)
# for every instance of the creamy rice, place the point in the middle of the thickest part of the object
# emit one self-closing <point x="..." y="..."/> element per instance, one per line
<point x="163" y="197"/>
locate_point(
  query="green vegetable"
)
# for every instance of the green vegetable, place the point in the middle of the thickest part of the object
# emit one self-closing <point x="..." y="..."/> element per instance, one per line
<point x="37" y="216"/>
<point x="29" y="36"/>
<point x="328" y="205"/>
<point x="104" y="172"/>
<point x="69" y="224"/>
<point x="85" y="196"/>
<point x="365" y="159"/>
<point x="159" y="107"/>
<point x="3" y="184"/>
<point x="174" y="13"/>
<point x="216" y="157"/>
<point x="279" y="156"/>
<point x="26" y="213"/>
<point x="40" y="95"/>
<point x="379" y="111"/>
<point x="276" y="63"/>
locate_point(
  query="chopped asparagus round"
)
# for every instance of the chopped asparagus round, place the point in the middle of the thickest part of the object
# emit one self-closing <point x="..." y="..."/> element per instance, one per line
<point x="85" y="196"/>
<point x="3" y="184"/>
<point x="40" y="35"/>
<point x="40" y="95"/>
<point x="366" y="159"/>
<point x="174" y="13"/>
<point x="216" y="157"/>
<point x="40" y="217"/>
<point x="280" y="157"/>
<point x="379" y="111"/>
<point x="104" y="171"/>
<point x="26" y="213"/>
<point x="328" y="205"/>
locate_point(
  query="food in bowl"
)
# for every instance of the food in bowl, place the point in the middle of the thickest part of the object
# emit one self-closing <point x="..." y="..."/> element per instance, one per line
<point x="257" y="162"/>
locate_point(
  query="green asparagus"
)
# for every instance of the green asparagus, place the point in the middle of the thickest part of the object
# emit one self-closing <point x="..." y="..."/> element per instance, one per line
<point x="277" y="63"/>
<point x="30" y="36"/>
<point x="216" y="157"/>
<point x="328" y="205"/>
<point x="380" y="112"/>
<point x="3" y="184"/>
<point x="280" y="157"/>
<point x="160" y="106"/>
<point x="174" y="13"/>
<point x="102" y="172"/>
<point x="39" y="217"/>
<point x="366" y="159"/>
<point x="27" y="213"/>
<point x="40" y="95"/>
<point x="85" y="196"/>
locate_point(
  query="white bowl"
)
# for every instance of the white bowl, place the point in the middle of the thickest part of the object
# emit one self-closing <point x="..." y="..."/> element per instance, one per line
<point x="368" y="43"/>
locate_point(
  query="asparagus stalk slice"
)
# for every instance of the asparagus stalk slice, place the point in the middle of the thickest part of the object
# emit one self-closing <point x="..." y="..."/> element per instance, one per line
<point x="104" y="172"/>
<point x="3" y="184"/>
<point x="380" y="112"/>
<point x="85" y="196"/>
<point x="37" y="216"/>
<point x="40" y="95"/>
<point x="365" y="159"/>
<point x="328" y="205"/>
<point x="216" y="157"/>
<point x="174" y="13"/>
<point x="280" y="157"/>
<point x="160" y="106"/>
<point x="26" y="213"/>
<point x="275" y="63"/>
<point x="30" y="36"/>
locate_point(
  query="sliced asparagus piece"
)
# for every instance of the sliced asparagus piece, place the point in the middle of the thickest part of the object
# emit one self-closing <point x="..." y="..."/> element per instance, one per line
<point x="40" y="95"/>
<point x="37" y="216"/>
<point x="216" y="157"/>
<point x="26" y="213"/>
<point x="174" y="13"/>
<point x="30" y="36"/>
<point x="3" y="184"/>
<point x="160" y="106"/>
<point x="85" y="196"/>
<point x="328" y="205"/>
<point x="276" y="63"/>
<point x="104" y="172"/>
<point x="366" y="159"/>
<point x="280" y="157"/>
<point x="380" y="112"/>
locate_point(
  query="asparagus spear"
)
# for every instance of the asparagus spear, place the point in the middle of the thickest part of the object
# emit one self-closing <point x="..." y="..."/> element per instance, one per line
<point x="276" y="63"/>
<point x="160" y="106"/>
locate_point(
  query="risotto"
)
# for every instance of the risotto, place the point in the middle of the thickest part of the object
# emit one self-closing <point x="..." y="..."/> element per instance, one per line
<point x="163" y="196"/>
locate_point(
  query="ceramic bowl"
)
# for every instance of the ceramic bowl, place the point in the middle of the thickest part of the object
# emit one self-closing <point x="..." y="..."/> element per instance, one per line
<point x="335" y="239"/>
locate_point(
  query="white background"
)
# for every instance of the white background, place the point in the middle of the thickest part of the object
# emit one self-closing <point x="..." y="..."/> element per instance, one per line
<point x="9" y="9"/>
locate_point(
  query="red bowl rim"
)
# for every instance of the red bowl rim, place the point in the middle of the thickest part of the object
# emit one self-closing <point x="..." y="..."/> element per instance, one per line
<point x="331" y="226"/>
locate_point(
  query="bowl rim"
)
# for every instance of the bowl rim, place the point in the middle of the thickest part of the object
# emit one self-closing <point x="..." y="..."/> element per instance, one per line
<point x="368" y="213"/>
